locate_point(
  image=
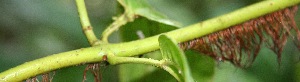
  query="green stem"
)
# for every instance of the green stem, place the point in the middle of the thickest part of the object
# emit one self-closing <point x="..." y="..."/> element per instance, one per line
<point x="53" y="62"/>
<point x="172" y="72"/>
<point x="94" y="54"/>
<point x="206" y="27"/>
<point x="85" y="23"/>
<point x="114" y="60"/>
<point x="119" y="21"/>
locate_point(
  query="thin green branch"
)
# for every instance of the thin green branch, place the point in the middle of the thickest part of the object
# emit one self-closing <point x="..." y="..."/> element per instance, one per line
<point x="172" y="72"/>
<point x="95" y="54"/>
<point x="85" y="23"/>
<point x="119" y="21"/>
<point x="113" y="60"/>
<point x="164" y="64"/>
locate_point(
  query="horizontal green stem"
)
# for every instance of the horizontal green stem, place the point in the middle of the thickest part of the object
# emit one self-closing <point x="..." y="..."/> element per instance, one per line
<point x="53" y="62"/>
<point x="113" y="60"/>
<point x="206" y="27"/>
<point x="94" y="54"/>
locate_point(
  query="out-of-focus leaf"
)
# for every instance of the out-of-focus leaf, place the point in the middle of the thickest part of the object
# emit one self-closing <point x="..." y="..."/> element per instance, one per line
<point x="297" y="72"/>
<point x="144" y="73"/>
<point x="134" y="72"/>
<point x="226" y="72"/>
<point x="202" y="66"/>
<point x="158" y="75"/>
<point x="147" y="28"/>
<point x="142" y="8"/>
<point x="171" y="51"/>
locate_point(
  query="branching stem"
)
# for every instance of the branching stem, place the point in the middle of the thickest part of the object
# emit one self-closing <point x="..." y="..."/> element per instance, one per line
<point x="133" y="48"/>
<point x="119" y="21"/>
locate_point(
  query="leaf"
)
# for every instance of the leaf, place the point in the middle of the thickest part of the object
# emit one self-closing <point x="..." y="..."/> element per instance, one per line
<point x="170" y="51"/>
<point x="146" y="20"/>
<point x="147" y="28"/>
<point x="202" y="66"/>
<point x="148" y="23"/>
<point x="144" y="73"/>
<point x="297" y="72"/>
<point x="159" y="75"/>
<point x="129" y="32"/>
<point x="142" y="8"/>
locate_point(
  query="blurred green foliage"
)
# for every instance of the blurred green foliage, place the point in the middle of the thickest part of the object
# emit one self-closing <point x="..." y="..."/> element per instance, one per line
<point x="31" y="29"/>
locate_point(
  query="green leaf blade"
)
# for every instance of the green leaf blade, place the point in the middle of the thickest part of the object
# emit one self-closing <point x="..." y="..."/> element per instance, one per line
<point x="170" y="51"/>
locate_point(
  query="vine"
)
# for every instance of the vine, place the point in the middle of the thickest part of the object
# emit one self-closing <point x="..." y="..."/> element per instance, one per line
<point x="112" y="51"/>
